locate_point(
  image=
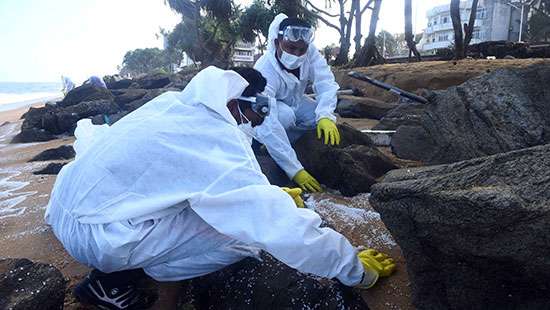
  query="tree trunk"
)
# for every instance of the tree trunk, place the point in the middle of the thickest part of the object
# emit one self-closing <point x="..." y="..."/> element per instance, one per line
<point x="345" y="34"/>
<point x="409" y="37"/>
<point x="368" y="51"/>
<point x="469" y="28"/>
<point x="358" y="22"/>
<point x="457" y="26"/>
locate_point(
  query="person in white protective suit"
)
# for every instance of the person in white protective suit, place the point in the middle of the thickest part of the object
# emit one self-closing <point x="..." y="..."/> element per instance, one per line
<point x="173" y="191"/>
<point x="68" y="85"/>
<point x="290" y="63"/>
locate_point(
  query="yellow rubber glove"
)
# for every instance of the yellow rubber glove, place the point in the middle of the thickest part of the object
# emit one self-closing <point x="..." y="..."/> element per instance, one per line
<point x="376" y="265"/>
<point x="328" y="128"/>
<point x="295" y="195"/>
<point x="306" y="181"/>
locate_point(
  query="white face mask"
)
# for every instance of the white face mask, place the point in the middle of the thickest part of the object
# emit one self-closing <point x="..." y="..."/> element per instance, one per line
<point x="246" y="128"/>
<point x="292" y="62"/>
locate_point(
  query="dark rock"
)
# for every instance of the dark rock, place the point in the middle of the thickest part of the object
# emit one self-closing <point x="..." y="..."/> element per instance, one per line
<point x="118" y="84"/>
<point x="52" y="168"/>
<point x="404" y="114"/>
<point x="86" y="92"/>
<point x="475" y="234"/>
<point x="62" y="152"/>
<point x="64" y="120"/>
<point x="269" y="284"/>
<point x="352" y="167"/>
<point x="27" y="285"/>
<point x="180" y="85"/>
<point x="32" y="127"/>
<point x="272" y="171"/>
<point x="151" y="94"/>
<point x="33" y="135"/>
<point x="151" y="81"/>
<point x="362" y="107"/>
<point x="33" y="118"/>
<point x="91" y="108"/>
<point x="498" y="112"/>
<point x="128" y="95"/>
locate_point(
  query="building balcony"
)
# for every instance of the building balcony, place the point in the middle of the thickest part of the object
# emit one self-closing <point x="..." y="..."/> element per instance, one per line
<point x="439" y="27"/>
<point x="435" y="45"/>
<point x="244" y="46"/>
<point x="243" y="58"/>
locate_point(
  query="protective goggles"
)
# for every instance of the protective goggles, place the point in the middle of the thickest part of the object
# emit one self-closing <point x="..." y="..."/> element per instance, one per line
<point x="296" y="33"/>
<point x="258" y="104"/>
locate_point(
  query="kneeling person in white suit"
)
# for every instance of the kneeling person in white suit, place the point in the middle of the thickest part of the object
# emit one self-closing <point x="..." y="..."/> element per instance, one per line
<point x="290" y="63"/>
<point x="173" y="190"/>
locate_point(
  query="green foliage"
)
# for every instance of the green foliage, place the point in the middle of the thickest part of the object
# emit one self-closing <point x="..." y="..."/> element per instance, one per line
<point x="292" y="8"/>
<point x="210" y="28"/>
<point x="208" y="31"/>
<point x="386" y="44"/>
<point x="255" y="20"/>
<point x="144" y="61"/>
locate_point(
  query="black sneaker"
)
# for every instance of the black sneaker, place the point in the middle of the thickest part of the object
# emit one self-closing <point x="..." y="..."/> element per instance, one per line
<point x="113" y="291"/>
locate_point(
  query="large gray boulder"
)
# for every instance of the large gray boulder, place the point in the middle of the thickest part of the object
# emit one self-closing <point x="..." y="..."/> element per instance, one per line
<point x="26" y="285"/>
<point x="352" y="167"/>
<point x="475" y="234"/>
<point x="363" y="107"/>
<point x="498" y="112"/>
<point x="407" y="114"/>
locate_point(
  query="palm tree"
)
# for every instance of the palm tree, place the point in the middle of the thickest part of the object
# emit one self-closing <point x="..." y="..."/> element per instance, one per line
<point x="213" y="23"/>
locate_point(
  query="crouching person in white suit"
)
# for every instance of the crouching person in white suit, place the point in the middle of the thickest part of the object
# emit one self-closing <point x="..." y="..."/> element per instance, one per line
<point x="173" y="191"/>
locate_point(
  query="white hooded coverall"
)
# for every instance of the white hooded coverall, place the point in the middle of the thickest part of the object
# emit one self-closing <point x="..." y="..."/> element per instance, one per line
<point x="174" y="188"/>
<point x="295" y="113"/>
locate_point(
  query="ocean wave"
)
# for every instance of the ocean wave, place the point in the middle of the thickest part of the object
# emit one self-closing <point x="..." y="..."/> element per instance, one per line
<point x="10" y="98"/>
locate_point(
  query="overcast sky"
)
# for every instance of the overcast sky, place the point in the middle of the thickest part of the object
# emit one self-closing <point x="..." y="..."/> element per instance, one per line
<point x="42" y="39"/>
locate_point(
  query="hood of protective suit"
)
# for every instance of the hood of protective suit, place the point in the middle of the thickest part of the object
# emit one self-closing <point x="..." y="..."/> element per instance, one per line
<point x="214" y="88"/>
<point x="274" y="32"/>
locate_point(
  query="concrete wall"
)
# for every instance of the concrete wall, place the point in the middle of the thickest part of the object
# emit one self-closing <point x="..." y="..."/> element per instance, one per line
<point x="500" y="21"/>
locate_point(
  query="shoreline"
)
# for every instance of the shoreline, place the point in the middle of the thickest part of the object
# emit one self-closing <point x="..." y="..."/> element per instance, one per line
<point x="6" y="107"/>
<point x="14" y="115"/>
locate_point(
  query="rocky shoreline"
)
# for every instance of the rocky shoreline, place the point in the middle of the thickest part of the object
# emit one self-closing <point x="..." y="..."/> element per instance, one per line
<point x="473" y="230"/>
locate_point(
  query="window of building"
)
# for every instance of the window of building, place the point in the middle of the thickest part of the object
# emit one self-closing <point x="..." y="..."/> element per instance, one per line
<point x="443" y="37"/>
<point x="435" y="21"/>
<point x="445" y="19"/>
<point x="477" y="34"/>
<point x="481" y="13"/>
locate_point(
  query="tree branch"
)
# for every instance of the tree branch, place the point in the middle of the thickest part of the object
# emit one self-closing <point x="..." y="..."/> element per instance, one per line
<point x="367" y="6"/>
<point x="319" y="10"/>
<point x="326" y="22"/>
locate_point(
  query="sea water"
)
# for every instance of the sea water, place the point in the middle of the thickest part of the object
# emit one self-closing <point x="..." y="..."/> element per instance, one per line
<point x="15" y="95"/>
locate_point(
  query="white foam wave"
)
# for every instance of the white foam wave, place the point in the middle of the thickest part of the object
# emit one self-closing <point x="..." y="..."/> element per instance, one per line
<point x="6" y="98"/>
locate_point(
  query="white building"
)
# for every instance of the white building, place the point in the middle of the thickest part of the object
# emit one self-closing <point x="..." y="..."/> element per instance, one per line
<point x="243" y="54"/>
<point x="496" y="20"/>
